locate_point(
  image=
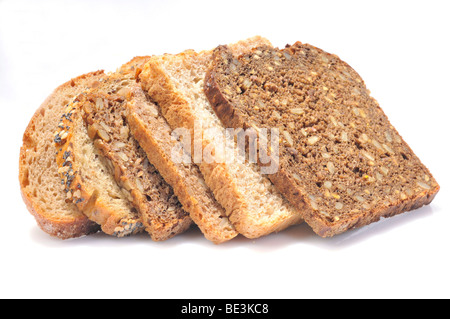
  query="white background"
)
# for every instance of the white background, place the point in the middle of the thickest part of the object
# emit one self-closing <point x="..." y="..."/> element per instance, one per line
<point x="400" y="48"/>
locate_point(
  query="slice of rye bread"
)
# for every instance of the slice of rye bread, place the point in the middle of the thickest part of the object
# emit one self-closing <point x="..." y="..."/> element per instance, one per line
<point x="104" y="112"/>
<point x="39" y="180"/>
<point x="251" y="202"/>
<point x="155" y="136"/>
<point x="338" y="153"/>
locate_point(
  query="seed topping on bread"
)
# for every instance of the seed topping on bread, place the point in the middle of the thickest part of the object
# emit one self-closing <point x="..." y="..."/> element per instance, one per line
<point x="86" y="178"/>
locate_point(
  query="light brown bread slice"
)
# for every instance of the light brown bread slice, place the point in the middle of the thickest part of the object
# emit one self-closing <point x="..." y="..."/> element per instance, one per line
<point x="155" y="136"/>
<point x="88" y="178"/>
<point x="339" y="153"/>
<point x="40" y="183"/>
<point x="104" y="113"/>
<point x="251" y="202"/>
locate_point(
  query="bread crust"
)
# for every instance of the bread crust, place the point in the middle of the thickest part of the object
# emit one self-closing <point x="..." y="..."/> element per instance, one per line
<point x="63" y="227"/>
<point x="229" y="113"/>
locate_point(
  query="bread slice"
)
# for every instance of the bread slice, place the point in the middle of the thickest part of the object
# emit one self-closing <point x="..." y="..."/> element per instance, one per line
<point x="251" y="202"/>
<point x="87" y="177"/>
<point x="104" y="112"/>
<point x="338" y="153"/>
<point x="38" y="172"/>
<point x="157" y="139"/>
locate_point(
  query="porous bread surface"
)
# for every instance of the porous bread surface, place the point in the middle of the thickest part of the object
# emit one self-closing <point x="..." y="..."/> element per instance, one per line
<point x="38" y="172"/>
<point x="338" y="152"/>
<point x="88" y="178"/>
<point x="105" y="115"/>
<point x="133" y="67"/>
<point x="155" y="136"/>
<point x="251" y="202"/>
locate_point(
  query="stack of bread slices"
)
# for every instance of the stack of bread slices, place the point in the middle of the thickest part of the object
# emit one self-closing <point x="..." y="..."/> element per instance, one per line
<point x="146" y="148"/>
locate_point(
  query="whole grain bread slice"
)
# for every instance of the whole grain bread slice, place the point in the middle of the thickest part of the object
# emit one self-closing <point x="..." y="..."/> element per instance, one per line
<point x="87" y="176"/>
<point x="39" y="180"/>
<point x="251" y="202"/>
<point x="339" y="155"/>
<point x="104" y="111"/>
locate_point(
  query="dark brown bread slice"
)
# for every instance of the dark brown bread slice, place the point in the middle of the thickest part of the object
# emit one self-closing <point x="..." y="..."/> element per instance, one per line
<point x="105" y="115"/>
<point x="338" y="152"/>
<point x="40" y="184"/>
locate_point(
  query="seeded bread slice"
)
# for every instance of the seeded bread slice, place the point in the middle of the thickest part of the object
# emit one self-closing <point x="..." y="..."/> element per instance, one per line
<point x="251" y="202"/>
<point x="87" y="176"/>
<point x="339" y="153"/>
<point x="157" y="139"/>
<point x="104" y="113"/>
<point x="40" y="184"/>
